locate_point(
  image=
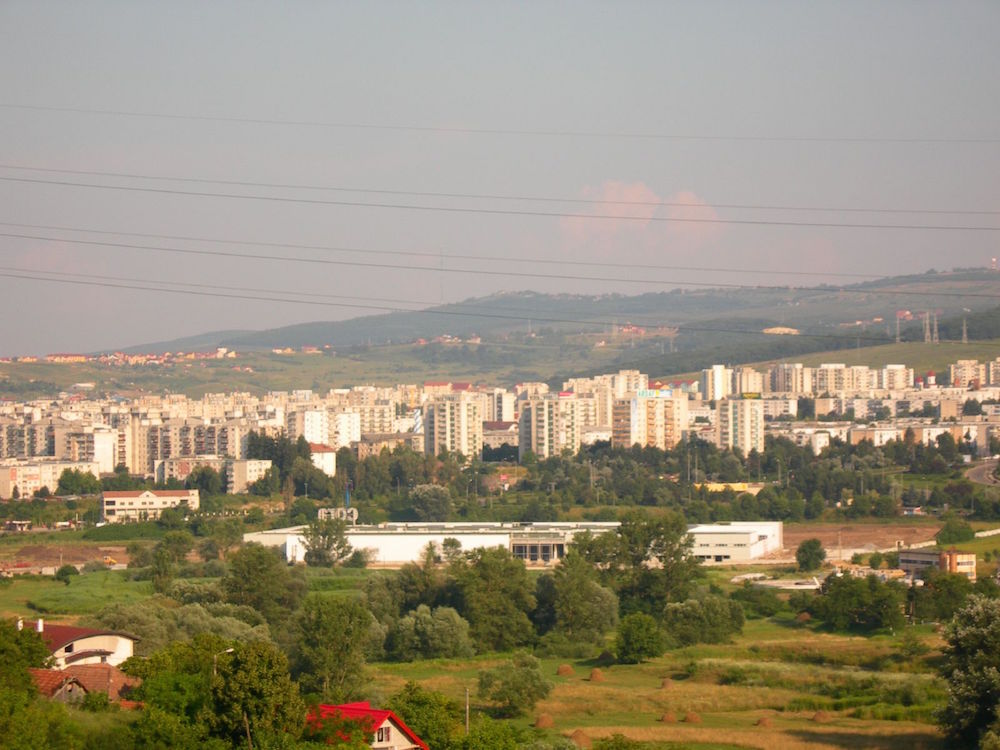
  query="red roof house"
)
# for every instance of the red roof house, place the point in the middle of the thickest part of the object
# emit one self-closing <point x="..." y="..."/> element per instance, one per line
<point x="388" y="730"/>
<point x="72" y="645"/>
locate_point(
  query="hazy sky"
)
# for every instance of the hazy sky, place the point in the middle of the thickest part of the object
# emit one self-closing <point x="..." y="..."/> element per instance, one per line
<point x="830" y="105"/>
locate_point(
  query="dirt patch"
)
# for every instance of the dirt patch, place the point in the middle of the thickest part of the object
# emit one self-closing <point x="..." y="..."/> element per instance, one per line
<point x="858" y="535"/>
<point x="43" y="555"/>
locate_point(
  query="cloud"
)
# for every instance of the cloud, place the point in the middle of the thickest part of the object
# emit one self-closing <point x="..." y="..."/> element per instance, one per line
<point x="637" y="204"/>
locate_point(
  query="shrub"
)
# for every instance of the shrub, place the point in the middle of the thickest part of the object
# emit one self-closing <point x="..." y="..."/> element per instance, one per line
<point x="516" y="686"/>
<point x="639" y="638"/>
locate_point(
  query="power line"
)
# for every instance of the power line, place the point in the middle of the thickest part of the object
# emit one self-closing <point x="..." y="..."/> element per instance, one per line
<point x="436" y="255"/>
<point x="492" y="272"/>
<point x="500" y="197"/>
<point x="502" y="211"/>
<point x="542" y="319"/>
<point x="542" y="133"/>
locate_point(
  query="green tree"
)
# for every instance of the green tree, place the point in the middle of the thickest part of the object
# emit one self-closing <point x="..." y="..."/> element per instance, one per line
<point x="66" y="572"/>
<point x="859" y="604"/>
<point x="206" y="480"/>
<point x="495" y="595"/>
<point x="326" y="543"/>
<point x="75" y="482"/>
<point x="955" y="531"/>
<point x="330" y="647"/>
<point x="429" y="634"/>
<point x="584" y="610"/>
<point x="639" y="638"/>
<point x="875" y="560"/>
<point x="431" y="502"/>
<point x="710" y="619"/>
<point x="253" y="697"/>
<point x="971" y="666"/>
<point x="757" y="601"/>
<point x="515" y="686"/>
<point x="260" y="579"/>
<point x="810" y="555"/>
<point x="434" y="717"/>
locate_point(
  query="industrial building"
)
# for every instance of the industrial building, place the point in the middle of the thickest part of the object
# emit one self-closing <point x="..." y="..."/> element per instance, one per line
<point x="538" y="544"/>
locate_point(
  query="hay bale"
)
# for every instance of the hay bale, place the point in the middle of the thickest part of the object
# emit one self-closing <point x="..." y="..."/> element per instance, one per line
<point x="666" y="683"/>
<point x="564" y="670"/>
<point x="692" y="718"/>
<point x="596" y="675"/>
<point x="803" y="617"/>
<point x="669" y="718"/>
<point x="580" y="739"/>
<point x="544" y="721"/>
<point x="763" y="721"/>
<point x="821" y="717"/>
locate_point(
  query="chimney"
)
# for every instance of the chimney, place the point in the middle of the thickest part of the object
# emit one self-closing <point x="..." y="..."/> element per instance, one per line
<point x="40" y="625"/>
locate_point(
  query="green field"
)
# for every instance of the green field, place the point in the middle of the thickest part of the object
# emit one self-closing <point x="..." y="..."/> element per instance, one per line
<point x="86" y="594"/>
<point x="769" y="689"/>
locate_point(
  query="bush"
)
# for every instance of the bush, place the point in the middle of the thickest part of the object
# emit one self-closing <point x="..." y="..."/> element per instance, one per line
<point x="639" y="638"/>
<point x="709" y="620"/>
<point x="429" y="634"/>
<point x="810" y="555"/>
<point x="758" y="601"/>
<point x="515" y="687"/>
<point x="66" y="572"/>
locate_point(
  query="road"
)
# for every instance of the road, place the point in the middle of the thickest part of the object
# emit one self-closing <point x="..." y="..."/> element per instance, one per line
<point x="983" y="473"/>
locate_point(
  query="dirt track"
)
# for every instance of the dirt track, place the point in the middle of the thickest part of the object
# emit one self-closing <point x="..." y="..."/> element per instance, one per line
<point x="858" y="535"/>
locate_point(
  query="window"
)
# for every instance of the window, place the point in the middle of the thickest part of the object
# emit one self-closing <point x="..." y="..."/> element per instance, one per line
<point x="383" y="734"/>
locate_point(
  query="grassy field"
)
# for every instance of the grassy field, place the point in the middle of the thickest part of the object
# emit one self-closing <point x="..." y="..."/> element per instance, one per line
<point x="86" y="594"/>
<point x="258" y="372"/>
<point x="780" y="685"/>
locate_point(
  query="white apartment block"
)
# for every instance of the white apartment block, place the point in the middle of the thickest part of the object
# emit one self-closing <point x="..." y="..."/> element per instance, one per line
<point x="716" y="382"/>
<point x="739" y="424"/>
<point x="791" y="378"/>
<point x="143" y="505"/>
<point x="324" y="458"/>
<point x="498" y="405"/>
<point x="453" y="423"/>
<point x="654" y="418"/>
<point x="29" y="476"/>
<point x="895" y="378"/>
<point x="747" y="380"/>
<point x="966" y="373"/>
<point x="312" y="424"/>
<point x="242" y="472"/>
<point x="345" y="428"/>
<point x="549" y="425"/>
<point x="625" y="382"/>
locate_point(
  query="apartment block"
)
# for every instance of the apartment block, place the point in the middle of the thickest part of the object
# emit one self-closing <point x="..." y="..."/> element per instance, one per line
<point x="739" y="424"/>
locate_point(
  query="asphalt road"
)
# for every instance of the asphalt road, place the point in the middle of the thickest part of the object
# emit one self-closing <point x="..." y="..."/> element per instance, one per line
<point x="983" y="473"/>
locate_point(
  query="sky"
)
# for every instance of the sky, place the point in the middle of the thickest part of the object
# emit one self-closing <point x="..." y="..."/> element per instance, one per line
<point x="551" y="126"/>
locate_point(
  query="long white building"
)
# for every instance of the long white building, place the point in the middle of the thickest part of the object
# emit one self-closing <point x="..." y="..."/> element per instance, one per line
<point x="538" y="544"/>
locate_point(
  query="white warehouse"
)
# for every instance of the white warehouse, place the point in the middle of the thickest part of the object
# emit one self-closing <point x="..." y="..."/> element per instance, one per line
<point x="538" y="544"/>
<point x="736" y="541"/>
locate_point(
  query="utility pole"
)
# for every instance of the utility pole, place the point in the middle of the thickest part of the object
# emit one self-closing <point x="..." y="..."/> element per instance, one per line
<point x="467" y="711"/>
<point x="935" y="329"/>
<point x="965" y="331"/>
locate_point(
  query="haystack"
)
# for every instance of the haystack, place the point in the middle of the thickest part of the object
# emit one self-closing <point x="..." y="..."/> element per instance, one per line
<point x="763" y="721"/>
<point x="821" y="717"/>
<point x="596" y="675"/>
<point x="692" y="718"/>
<point x="544" y="721"/>
<point x="669" y="718"/>
<point x="564" y="670"/>
<point x="580" y="738"/>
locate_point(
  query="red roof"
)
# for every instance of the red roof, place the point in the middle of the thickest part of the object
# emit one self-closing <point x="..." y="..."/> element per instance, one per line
<point x="376" y="716"/>
<point x="57" y="636"/>
<point x="320" y="448"/>
<point x="50" y="681"/>
<point x="93" y="678"/>
<point x="498" y="425"/>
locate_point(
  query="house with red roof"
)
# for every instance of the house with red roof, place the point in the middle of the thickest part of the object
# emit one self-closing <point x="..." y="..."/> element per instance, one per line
<point x="73" y="645"/>
<point x="389" y="732"/>
<point x="74" y="682"/>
